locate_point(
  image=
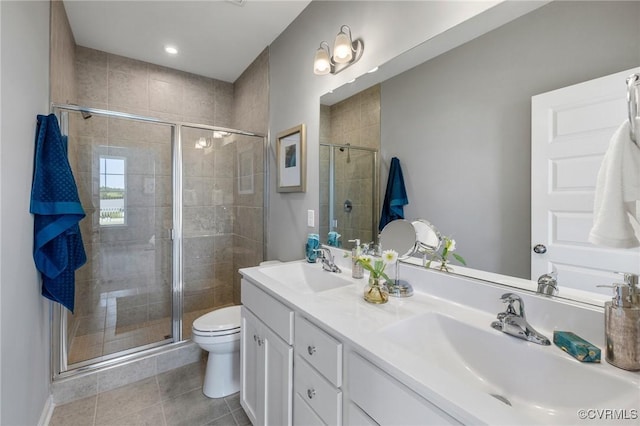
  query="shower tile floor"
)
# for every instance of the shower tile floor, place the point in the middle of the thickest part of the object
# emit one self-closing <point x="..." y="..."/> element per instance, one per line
<point x="171" y="398"/>
<point x="113" y="338"/>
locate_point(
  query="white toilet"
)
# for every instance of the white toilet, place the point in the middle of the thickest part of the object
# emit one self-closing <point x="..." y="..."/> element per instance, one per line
<point x="218" y="333"/>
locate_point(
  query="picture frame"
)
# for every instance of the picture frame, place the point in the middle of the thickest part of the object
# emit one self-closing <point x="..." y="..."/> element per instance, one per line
<point x="291" y="160"/>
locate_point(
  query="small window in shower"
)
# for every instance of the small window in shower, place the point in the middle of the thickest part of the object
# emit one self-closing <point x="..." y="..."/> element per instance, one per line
<point x="112" y="191"/>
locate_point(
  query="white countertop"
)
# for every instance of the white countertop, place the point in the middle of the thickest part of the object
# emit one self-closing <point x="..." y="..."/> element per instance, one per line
<point x="343" y="312"/>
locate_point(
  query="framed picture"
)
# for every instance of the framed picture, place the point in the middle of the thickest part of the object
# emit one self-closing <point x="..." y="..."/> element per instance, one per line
<point x="291" y="160"/>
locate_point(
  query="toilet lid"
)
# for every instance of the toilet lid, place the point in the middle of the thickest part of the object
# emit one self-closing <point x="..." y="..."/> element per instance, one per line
<point x="221" y="319"/>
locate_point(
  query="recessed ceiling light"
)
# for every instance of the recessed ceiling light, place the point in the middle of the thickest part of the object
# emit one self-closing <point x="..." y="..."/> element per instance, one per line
<point x="171" y="50"/>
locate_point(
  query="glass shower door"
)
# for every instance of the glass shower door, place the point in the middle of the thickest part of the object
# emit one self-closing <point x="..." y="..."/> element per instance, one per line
<point x="123" y="169"/>
<point x="348" y="193"/>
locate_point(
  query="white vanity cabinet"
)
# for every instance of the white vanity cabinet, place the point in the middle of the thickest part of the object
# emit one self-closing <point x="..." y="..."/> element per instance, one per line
<point x="317" y="376"/>
<point x="295" y="375"/>
<point x="381" y="399"/>
<point x="266" y="369"/>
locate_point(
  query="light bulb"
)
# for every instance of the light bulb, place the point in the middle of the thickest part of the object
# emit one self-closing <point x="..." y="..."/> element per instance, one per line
<point x="342" y="52"/>
<point x="321" y="64"/>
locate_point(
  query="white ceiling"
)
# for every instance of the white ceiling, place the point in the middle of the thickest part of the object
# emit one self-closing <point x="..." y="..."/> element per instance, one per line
<point x="215" y="38"/>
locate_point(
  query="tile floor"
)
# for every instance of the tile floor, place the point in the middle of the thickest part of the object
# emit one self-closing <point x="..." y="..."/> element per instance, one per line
<point x="171" y="398"/>
<point x="105" y="340"/>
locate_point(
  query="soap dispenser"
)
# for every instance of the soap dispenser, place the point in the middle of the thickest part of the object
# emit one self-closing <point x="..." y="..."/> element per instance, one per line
<point x="357" y="271"/>
<point x="622" y="325"/>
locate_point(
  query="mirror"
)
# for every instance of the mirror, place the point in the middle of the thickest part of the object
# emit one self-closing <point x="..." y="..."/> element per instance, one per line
<point x="465" y="116"/>
<point x="348" y="194"/>
<point x="428" y="239"/>
<point x="400" y="236"/>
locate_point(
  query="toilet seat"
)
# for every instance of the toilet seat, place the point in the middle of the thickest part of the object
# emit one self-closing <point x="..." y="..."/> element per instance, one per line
<point x="221" y="322"/>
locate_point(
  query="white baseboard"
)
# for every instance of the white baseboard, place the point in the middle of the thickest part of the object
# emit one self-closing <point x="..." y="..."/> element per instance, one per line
<point x="47" y="412"/>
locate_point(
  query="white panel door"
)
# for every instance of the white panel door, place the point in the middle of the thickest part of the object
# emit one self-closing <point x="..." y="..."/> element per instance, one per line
<point x="570" y="132"/>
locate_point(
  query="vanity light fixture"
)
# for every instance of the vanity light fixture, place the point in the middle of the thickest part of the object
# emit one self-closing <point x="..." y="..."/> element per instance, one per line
<point x="203" y="143"/>
<point x="345" y="53"/>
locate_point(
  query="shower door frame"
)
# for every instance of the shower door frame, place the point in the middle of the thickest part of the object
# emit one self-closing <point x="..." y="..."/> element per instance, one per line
<point x="375" y="214"/>
<point x="59" y="365"/>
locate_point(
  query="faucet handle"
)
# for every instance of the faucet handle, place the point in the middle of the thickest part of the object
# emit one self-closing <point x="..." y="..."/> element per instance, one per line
<point x="510" y="298"/>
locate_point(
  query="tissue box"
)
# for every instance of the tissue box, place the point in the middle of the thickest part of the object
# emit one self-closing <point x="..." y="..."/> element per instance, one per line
<point x="576" y="346"/>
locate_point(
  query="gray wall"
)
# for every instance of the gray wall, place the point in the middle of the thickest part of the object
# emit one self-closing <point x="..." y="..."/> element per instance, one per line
<point x="461" y="123"/>
<point x="24" y="313"/>
<point x="388" y="28"/>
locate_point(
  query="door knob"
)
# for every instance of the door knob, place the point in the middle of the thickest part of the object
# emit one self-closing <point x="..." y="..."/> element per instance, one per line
<point x="311" y="393"/>
<point x="311" y="349"/>
<point x="540" y="249"/>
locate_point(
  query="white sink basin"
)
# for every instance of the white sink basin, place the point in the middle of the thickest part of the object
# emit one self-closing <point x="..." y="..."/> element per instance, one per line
<point x="306" y="277"/>
<point x="541" y="381"/>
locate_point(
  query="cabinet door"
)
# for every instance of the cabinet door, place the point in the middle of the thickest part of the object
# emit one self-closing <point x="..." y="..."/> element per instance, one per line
<point x="278" y="379"/>
<point x="251" y="368"/>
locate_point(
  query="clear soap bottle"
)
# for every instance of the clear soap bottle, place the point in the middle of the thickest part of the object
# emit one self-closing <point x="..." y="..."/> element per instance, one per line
<point x="622" y="325"/>
<point x="357" y="271"/>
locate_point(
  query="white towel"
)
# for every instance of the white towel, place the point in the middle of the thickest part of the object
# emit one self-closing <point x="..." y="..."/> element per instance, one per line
<point x="616" y="216"/>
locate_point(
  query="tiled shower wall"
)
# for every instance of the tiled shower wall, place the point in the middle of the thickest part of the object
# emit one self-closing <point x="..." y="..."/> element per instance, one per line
<point x="121" y="84"/>
<point x="218" y="248"/>
<point x="222" y="221"/>
<point x="354" y="121"/>
<point x="250" y="112"/>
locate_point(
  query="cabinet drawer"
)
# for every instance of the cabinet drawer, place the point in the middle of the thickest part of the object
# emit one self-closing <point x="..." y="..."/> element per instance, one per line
<point x="320" y="350"/>
<point x="277" y="316"/>
<point x="303" y="415"/>
<point x="324" y="399"/>
<point x="386" y="400"/>
<point x="357" y="417"/>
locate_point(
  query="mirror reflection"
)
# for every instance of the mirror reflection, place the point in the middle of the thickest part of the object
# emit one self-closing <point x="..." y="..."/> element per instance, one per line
<point x="399" y="236"/>
<point x="461" y="125"/>
<point x="428" y="238"/>
<point x="349" y="168"/>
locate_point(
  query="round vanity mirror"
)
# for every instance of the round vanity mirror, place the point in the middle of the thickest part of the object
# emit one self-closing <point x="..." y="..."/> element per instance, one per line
<point x="428" y="238"/>
<point x="400" y="236"/>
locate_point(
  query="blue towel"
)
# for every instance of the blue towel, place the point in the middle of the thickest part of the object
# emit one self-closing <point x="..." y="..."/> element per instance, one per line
<point x="395" y="197"/>
<point x="57" y="248"/>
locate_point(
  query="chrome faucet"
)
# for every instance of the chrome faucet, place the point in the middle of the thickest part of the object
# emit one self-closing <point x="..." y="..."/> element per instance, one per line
<point x="514" y="322"/>
<point x="327" y="260"/>
<point x="548" y="284"/>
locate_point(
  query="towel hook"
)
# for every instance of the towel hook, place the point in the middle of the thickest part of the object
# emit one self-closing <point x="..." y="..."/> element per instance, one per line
<point x="632" y="99"/>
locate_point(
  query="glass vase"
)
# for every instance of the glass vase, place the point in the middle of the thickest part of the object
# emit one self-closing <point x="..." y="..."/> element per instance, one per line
<point x="376" y="291"/>
<point x="445" y="267"/>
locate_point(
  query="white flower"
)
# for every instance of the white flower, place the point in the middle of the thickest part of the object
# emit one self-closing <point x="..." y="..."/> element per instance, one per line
<point x="452" y="245"/>
<point x="365" y="258"/>
<point x="389" y="256"/>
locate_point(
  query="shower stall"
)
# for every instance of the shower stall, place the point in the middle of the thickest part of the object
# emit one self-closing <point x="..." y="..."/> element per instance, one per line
<point x="173" y="210"/>
<point x="349" y="192"/>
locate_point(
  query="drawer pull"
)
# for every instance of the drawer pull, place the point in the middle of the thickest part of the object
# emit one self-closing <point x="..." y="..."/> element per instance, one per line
<point x="311" y="393"/>
<point x="311" y="349"/>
